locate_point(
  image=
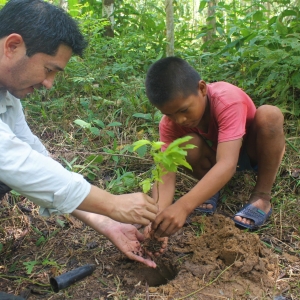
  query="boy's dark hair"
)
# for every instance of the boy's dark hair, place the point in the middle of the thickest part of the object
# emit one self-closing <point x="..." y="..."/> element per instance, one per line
<point x="169" y="78"/>
<point x="43" y="27"/>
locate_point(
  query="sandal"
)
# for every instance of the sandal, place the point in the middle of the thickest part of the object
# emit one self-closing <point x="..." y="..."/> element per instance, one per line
<point x="253" y="213"/>
<point x="213" y="201"/>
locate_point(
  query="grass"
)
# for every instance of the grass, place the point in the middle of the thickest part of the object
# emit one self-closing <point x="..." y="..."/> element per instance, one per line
<point x="53" y="121"/>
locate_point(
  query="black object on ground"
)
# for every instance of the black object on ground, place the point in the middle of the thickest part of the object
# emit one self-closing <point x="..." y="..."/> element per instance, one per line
<point x="63" y="281"/>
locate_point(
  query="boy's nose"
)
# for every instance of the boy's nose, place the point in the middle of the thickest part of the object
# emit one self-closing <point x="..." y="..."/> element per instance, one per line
<point x="180" y="119"/>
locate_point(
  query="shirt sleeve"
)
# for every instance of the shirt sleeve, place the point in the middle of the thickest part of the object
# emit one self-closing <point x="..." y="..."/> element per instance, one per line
<point x="39" y="178"/>
<point x="23" y="132"/>
<point x="232" y="122"/>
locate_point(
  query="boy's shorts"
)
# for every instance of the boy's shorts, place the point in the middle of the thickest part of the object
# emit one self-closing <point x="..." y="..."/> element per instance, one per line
<point x="244" y="162"/>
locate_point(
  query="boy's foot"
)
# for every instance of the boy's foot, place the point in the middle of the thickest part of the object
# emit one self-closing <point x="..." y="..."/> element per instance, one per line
<point x="255" y="213"/>
<point x="209" y="206"/>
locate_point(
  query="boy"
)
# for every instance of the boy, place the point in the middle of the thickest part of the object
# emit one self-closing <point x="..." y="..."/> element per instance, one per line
<point x="241" y="137"/>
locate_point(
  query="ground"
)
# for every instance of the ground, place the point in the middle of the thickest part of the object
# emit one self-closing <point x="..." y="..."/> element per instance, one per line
<point x="209" y="258"/>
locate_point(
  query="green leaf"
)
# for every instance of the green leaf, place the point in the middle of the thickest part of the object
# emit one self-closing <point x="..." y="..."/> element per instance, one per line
<point x="95" y="131"/>
<point x="141" y="151"/>
<point x="82" y="123"/>
<point x="40" y="241"/>
<point x="179" y="141"/>
<point x="147" y="117"/>
<point x="99" y="123"/>
<point x="114" y="124"/>
<point x="258" y="16"/>
<point x="146" y="185"/>
<point x="157" y="145"/>
<point x="95" y="158"/>
<point x="140" y="143"/>
<point x="29" y="265"/>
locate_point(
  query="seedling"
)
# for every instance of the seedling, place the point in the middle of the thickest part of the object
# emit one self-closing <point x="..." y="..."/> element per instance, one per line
<point x="166" y="161"/>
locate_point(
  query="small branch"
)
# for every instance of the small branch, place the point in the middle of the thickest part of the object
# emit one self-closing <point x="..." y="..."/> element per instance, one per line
<point x="23" y="278"/>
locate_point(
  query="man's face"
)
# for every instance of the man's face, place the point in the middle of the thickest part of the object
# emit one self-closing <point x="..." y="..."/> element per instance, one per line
<point x="29" y="73"/>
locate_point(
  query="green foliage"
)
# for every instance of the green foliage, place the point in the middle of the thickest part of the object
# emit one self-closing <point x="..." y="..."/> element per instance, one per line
<point x="166" y="161"/>
<point x="29" y="265"/>
<point x="123" y="182"/>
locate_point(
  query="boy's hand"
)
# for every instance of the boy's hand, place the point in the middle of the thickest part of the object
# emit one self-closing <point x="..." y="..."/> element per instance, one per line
<point x="169" y="221"/>
<point x="163" y="240"/>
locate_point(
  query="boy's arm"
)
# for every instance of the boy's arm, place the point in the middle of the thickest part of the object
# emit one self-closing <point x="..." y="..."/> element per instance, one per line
<point x="173" y="217"/>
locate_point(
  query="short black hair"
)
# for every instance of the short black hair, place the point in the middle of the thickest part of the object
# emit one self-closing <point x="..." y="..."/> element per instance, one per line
<point x="43" y="27"/>
<point x="169" y="78"/>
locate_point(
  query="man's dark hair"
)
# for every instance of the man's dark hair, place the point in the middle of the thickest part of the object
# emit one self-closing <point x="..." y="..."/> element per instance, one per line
<point x="43" y="26"/>
<point x="169" y="78"/>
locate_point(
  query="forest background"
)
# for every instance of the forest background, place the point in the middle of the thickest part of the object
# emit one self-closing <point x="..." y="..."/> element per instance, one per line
<point x="98" y="106"/>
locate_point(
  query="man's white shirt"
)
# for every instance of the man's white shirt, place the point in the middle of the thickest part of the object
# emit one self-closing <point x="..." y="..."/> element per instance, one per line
<point x="26" y="167"/>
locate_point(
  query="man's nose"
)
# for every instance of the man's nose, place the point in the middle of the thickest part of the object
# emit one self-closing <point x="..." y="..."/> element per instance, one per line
<point x="48" y="81"/>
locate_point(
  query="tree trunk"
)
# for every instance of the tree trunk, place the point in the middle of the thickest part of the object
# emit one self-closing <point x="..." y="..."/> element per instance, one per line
<point x="211" y="21"/>
<point x="107" y="12"/>
<point x="169" y="27"/>
<point x="63" y="4"/>
<point x="196" y="15"/>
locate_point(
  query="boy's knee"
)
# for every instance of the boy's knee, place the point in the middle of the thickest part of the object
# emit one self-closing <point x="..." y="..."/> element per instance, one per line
<point x="270" y="119"/>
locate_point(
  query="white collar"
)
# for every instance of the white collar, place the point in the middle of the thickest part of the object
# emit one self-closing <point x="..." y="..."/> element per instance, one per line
<point x="5" y="100"/>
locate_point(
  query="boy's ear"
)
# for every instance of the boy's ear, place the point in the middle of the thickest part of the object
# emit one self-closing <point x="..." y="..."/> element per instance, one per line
<point x="14" y="46"/>
<point x="202" y="87"/>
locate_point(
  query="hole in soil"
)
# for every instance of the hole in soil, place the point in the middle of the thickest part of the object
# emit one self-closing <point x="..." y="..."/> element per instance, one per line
<point x="164" y="272"/>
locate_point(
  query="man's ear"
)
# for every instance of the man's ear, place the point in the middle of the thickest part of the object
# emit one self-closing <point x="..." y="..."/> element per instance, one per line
<point x="14" y="46"/>
<point x="202" y="87"/>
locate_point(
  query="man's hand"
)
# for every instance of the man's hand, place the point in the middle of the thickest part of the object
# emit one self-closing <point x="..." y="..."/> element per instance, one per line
<point x="124" y="236"/>
<point x="163" y="240"/>
<point x="134" y="208"/>
<point x="169" y="221"/>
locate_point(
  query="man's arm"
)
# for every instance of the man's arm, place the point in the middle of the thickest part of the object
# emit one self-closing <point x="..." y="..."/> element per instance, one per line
<point x="127" y="208"/>
<point x="172" y="218"/>
<point x="124" y="236"/>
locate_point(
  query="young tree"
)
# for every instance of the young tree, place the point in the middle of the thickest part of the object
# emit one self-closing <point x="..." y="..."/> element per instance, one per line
<point x="169" y="27"/>
<point x="108" y="12"/>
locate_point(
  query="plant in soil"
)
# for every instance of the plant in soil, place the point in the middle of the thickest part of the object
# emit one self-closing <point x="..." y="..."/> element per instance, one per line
<point x="164" y="161"/>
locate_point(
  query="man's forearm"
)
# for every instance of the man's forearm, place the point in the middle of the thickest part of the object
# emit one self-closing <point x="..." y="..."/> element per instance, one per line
<point x="98" y="201"/>
<point x="95" y="221"/>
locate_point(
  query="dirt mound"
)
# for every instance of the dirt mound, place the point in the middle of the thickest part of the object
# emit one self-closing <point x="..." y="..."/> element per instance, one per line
<point x="213" y="260"/>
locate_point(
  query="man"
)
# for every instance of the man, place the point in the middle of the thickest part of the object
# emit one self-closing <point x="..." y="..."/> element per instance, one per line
<point x="37" y="40"/>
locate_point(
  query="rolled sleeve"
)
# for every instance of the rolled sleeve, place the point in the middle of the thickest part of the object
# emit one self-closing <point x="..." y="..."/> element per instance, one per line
<point x="39" y="178"/>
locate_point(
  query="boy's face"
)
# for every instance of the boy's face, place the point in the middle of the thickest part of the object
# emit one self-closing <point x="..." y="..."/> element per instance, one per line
<point x="187" y="112"/>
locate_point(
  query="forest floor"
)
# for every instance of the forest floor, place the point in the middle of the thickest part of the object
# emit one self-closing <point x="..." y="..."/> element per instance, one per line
<point x="209" y="258"/>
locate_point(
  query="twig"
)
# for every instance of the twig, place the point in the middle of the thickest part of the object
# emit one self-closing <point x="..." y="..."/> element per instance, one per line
<point x="23" y="278"/>
<point x="147" y="291"/>
<point x="197" y="291"/>
<point x="292" y="146"/>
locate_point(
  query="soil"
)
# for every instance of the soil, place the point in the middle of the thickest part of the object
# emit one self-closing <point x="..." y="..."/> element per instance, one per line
<point x="209" y="258"/>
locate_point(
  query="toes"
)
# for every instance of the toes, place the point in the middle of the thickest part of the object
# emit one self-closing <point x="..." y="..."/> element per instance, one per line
<point x="206" y="206"/>
<point x="243" y="220"/>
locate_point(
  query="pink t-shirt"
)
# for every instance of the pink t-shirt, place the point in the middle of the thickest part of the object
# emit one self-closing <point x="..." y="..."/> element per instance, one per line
<point x="231" y="112"/>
